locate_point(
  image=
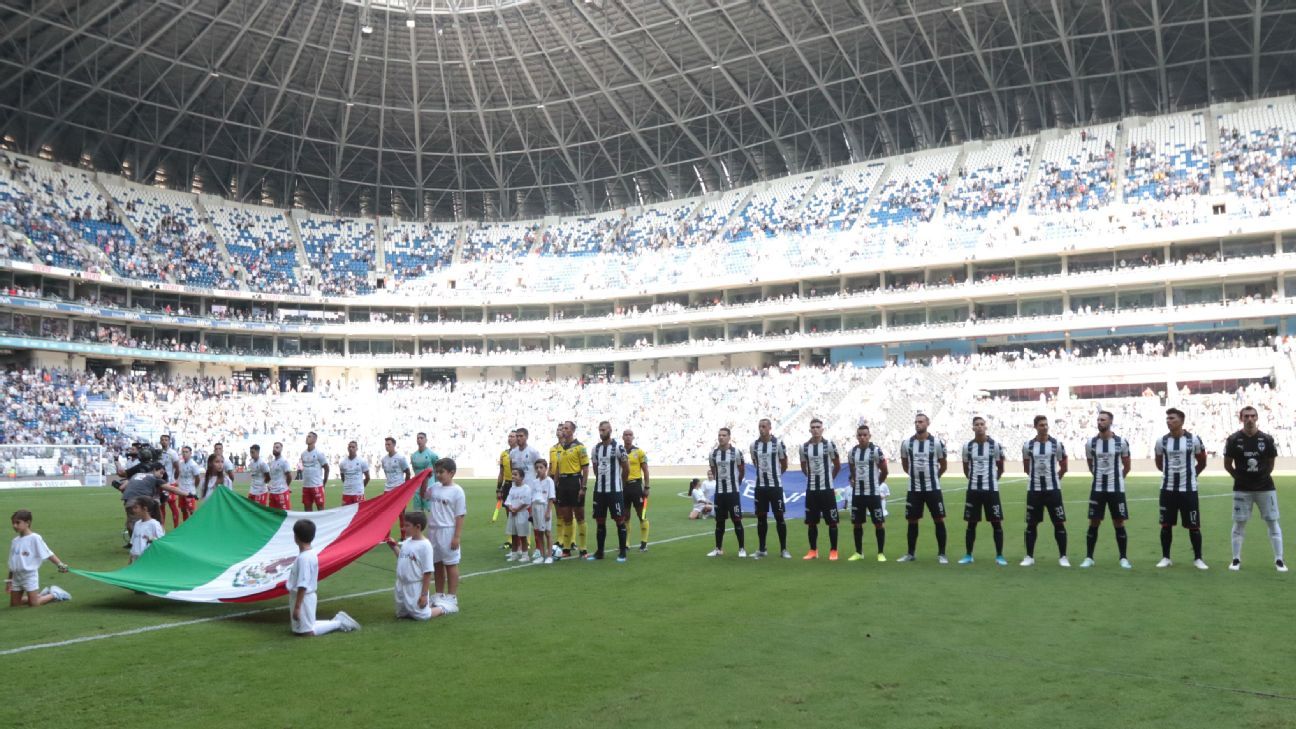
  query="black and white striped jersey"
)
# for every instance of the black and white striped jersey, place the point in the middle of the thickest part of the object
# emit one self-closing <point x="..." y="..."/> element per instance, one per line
<point x="866" y="463"/>
<point x="983" y="464"/>
<point x="766" y="457"/>
<point x="727" y="463"/>
<point x="818" y="460"/>
<point x="1178" y="461"/>
<point x="606" y="459"/>
<point x="923" y="456"/>
<point x="1042" y="458"/>
<point x="1105" y="456"/>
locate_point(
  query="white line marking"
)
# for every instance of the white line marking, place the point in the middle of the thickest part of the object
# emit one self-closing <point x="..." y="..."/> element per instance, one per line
<point x="244" y="613"/>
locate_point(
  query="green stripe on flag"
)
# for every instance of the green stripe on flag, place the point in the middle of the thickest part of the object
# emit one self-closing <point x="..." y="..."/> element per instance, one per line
<point x="200" y="550"/>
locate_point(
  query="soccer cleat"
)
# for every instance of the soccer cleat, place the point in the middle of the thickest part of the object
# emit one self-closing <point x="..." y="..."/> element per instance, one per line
<point x="506" y="545"/>
<point x="523" y="558"/>
<point x="760" y="554"/>
<point x="536" y="556"/>
<point x="1125" y="564"/>
<point x="1028" y="561"/>
<point x="812" y="554"/>
<point x="716" y="553"/>
<point x="621" y="555"/>
<point x="1280" y="565"/>
<point x="832" y="555"/>
<point x="593" y="557"/>
<point x="785" y="554"/>
<point x="59" y="593"/>
<point x="1001" y="561"/>
<point x="1063" y="561"/>
<point x="643" y="546"/>
<point x="583" y="553"/>
<point x="566" y="553"/>
<point x="348" y="623"/>
<point x="742" y="553"/>
<point x="1200" y="564"/>
<point x="942" y="559"/>
<point x="1087" y="563"/>
<point x="966" y="559"/>
<point x="1235" y="565"/>
<point x="881" y="557"/>
<point x="548" y="560"/>
<point x="511" y="557"/>
<point x="1165" y="562"/>
<point x="906" y="558"/>
<point x="855" y="557"/>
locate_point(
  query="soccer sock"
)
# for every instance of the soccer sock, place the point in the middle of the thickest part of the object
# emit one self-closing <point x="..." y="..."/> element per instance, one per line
<point x="622" y="534"/>
<point x="719" y="532"/>
<point x="813" y="532"/>
<point x="998" y="538"/>
<point x="1059" y="533"/>
<point x="580" y="530"/>
<point x="1167" y="538"/>
<point x="762" y="529"/>
<point x="1030" y="540"/>
<point x="859" y="538"/>
<point x="881" y="540"/>
<point x="781" y="528"/>
<point x="741" y="534"/>
<point x="1275" y="538"/>
<point x="1237" y="536"/>
<point x="600" y="535"/>
<point x="1194" y="536"/>
<point x="643" y="530"/>
<point x="913" y="537"/>
<point x="1091" y="541"/>
<point x="1122" y="540"/>
<point x="970" y="538"/>
<point x="940" y="536"/>
<point x="832" y="537"/>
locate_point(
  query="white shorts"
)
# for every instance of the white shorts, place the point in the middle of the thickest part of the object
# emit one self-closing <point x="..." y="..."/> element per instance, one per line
<point x="538" y="522"/>
<point x="509" y="529"/>
<point x="520" y="523"/>
<point x="1266" y="500"/>
<point x="25" y="582"/>
<point x="306" y="624"/>
<point x="407" y="597"/>
<point x="441" y="538"/>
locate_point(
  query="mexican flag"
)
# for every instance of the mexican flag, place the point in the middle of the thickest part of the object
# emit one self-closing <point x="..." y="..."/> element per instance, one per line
<point x="234" y="550"/>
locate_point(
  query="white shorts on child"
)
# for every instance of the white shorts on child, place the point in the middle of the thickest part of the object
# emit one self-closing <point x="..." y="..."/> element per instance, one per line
<point x="306" y="624"/>
<point x="520" y="523"/>
<point x="25" y="581"/>
<point x="538" y="522"/>
<point x="407" y="599"/>
<point x="441" y="538"/>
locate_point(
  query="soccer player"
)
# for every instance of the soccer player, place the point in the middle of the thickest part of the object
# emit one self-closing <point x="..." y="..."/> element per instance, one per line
<point x="420" y="460"/>
<point x="1180" y="457"/>
<point x="395" y="466"/>
<point x="1044" y="460"/>
<point x="570" y="463"/>
<point x="1108" y="457"/>
<point x="281" y="476"/>
<point x="922" y="455"/>
<point x="820" y="463"/>
<point x="868" y="473"/>
<point x="258" y="477"/>
<point x="637" y="485"/>
<point x="447" y="509"/>
<point x="524" y="456"/>
<point x="983" y="465"/>
<point x="314" y="473"/>
<point x="303" y="581"/>
<point x="171" y="462"/>
<point x="1249" y="458"/>
<point x="355" y="475"/>
<point x="611" y="468"/>
<point x="769" y="456"/>
<point x="726" y="463"/>
<point x="187" y="475"/>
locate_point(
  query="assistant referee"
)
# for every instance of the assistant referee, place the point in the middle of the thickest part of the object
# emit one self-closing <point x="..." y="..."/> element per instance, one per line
<point x="571" y="469"/>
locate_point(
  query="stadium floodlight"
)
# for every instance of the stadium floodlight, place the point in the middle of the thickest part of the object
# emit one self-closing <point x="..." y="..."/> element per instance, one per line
<point x="366" y="29"/>
<point x="409" y="23"/>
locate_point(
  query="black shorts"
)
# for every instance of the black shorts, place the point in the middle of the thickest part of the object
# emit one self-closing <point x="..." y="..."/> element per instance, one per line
<point x="867" y="507"/>
<point x="821" y="504"/>
<point x="606" y="503"/>
<point x="769" y="498"/>
<point x="1039" y="503"/>
<point x="633" y="493"/>
<point x="1100" y="502"/>
<point x="932" y="501"/>
<point x="567" y="492"/>
<point x="1176" y="504"/>
<point x="728" y="505"/>
<point x="982" y="502"/>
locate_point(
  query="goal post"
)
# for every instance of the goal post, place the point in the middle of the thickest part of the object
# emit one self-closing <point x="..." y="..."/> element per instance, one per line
<point x="38" y="465"/>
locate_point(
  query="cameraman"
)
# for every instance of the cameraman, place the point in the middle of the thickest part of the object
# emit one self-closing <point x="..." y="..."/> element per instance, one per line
<point x="149" y="481"/>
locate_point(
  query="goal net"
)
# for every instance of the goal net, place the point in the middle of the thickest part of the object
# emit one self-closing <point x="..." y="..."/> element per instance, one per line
<point x="51" y="466"/>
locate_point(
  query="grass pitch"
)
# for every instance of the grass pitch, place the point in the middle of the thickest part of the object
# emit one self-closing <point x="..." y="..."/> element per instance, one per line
<point x="675" y="639"/>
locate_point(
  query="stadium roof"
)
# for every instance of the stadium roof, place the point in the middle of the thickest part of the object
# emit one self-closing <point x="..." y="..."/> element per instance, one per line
<point x="517" y="108"/>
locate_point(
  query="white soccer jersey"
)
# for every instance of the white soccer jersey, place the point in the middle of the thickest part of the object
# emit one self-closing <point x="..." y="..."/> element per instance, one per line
<point x="1043" y="457"/>
<point x="1179" y="462"/>
<point x="983" y="464"/>
<point x="1105" y="456"/>
<point x="187" y="476"/>
<point x="818" y="460"/>
<point x="445" y="503"/>
<point x="415" y="560"/>
<point x="866" y="462"/>
<point x="280" y="472"/>
<point x="170" y="460"/>
<point x="524" y="458"/>
<point x="767" y="457"/>
<point x="394" y="468"/>
<point x="923" y="455"/>
<point x="542" y="492"/>
<point x="353" y="471"/>
<point x="312" y="465"/>
<point x="257" y="470"/>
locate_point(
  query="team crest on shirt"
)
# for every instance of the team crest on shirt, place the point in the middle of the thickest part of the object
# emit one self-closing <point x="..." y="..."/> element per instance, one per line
<point x="265" y="573"/>
<point x="1260" y="445"/>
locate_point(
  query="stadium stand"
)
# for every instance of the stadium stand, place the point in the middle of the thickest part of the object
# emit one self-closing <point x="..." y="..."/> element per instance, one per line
<point x="261" y="243"/>
<point x="415" y="250"/>
<point x="342" y="252"/>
